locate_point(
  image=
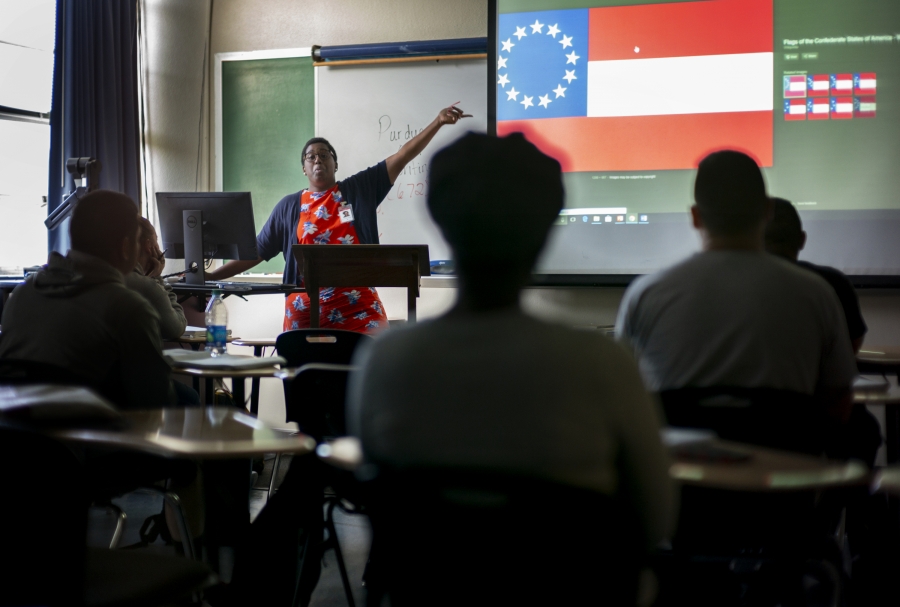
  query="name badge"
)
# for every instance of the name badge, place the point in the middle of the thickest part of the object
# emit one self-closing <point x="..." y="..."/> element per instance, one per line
<point x="345" y="213"/>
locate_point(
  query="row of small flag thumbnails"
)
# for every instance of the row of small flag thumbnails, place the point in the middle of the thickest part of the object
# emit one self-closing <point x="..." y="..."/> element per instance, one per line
<point x="833" y="108"/>
<point x="829" y="85"/>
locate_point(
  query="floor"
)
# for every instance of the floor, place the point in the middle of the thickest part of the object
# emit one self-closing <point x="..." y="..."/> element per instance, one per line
<point x="353" y="532"/>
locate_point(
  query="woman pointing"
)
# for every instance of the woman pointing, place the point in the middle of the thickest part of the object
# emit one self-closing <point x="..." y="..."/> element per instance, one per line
<point x="334" y="212"/>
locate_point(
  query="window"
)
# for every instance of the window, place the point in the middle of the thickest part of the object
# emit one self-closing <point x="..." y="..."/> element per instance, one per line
<point x="27" y="38"/>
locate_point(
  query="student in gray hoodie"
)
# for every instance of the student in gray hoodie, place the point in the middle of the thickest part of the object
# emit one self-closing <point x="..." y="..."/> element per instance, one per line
<point x="77" y="313"/>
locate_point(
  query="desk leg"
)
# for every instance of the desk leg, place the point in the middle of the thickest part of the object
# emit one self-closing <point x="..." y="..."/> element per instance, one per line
<point x="410" y="305"/>
<point x="892" y="432"/>
<point x="254" y="385"/>
<point x="209" y="391"/>
<point x="237" y="392"/>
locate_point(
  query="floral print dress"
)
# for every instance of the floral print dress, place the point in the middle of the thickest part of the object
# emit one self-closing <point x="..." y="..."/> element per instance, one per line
<point x="350" y="308"/>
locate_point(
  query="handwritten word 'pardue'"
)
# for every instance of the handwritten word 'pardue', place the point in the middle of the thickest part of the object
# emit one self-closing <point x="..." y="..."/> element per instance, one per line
<point x="384" y="128"/>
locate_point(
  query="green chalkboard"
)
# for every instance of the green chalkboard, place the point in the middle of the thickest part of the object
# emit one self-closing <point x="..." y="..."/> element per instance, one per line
<point x="268" y="113"/>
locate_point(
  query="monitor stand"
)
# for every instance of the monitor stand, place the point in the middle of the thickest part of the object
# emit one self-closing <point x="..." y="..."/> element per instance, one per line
<point x="193" y="248"/>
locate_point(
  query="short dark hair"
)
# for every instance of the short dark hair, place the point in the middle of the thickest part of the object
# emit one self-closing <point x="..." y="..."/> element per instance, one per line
<point x="730" y="192"/>
<point x="319" y="140"/>
<point x="101" y="221"/>
<point x="784" y="230"/>
<point x="494" y="199"/>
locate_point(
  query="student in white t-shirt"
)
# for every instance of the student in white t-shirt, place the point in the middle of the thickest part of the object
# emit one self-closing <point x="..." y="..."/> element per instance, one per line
<point x="733" y="315"/>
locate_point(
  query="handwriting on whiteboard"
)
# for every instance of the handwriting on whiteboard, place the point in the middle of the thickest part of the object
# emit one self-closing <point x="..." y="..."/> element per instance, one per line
<point x="411" y="184"/>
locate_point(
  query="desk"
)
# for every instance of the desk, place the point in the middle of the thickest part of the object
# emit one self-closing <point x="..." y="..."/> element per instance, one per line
<point x="185" y="291"/>
<point x="890" y="399"/>
<point x="237" y="377"/>
<point x="880" y="356"/>
<point x="258" y="346"/>
<point x="766" y="470"/>
<point x="194" y="432"/>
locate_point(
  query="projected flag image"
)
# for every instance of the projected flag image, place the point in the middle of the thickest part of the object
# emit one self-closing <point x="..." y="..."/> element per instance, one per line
<point x="841" y="108"/>
<point x="841" y="84"/>
<point x="818" y="108"/>
<point x="864" y="84"/>
<point x="818" y="85"/>
<point x="864" y="107"/>
<point x="794" y="86"/>
<point x="643" y="87"/>
<point x="795" y="109"/>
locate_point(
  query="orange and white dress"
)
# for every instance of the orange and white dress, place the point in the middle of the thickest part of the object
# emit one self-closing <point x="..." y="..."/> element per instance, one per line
<point x="350" y="308"/>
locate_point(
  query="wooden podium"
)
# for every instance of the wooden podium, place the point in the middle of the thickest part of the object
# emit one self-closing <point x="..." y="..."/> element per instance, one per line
<point x="363" y="265"/>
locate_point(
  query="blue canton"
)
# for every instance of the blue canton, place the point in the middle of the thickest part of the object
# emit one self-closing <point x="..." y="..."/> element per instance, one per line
<point x="542" y="64"/>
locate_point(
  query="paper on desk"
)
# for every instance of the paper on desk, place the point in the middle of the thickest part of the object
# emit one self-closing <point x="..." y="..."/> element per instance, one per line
<point x="203" y="360"/>
<point x="46" y="402"/>
<point x="871" y="383"/>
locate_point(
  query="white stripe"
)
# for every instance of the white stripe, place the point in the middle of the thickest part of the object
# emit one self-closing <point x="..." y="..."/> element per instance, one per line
<point x="707" y="84"/>
<point x="867" y="84"/>
<point x="820" y="108"/>
<point x="798" y="109"/>
<point x="843" y="108"/>
<point x="844" y="85"/>
<point x="797" y="86"/>
<point x="866" y="107"/>
<point x="820" y="85"/>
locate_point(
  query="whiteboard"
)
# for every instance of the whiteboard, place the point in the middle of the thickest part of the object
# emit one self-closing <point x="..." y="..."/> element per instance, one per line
<point x="368" y="112"/>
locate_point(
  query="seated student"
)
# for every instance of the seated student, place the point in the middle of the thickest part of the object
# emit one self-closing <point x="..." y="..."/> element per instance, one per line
<point x="785" y="238"/>
<point x="145" y="280"/>
<point x="524" y="380"/>
<point x="489" y="386"/>
<point x="735" y="316"/>
<point x="78" y="314"/>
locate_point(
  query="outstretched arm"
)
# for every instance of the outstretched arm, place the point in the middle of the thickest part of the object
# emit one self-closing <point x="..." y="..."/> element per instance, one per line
<point x="412" y="148"/>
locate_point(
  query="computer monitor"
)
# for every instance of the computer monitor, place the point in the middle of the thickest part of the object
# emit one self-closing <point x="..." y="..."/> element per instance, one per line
<point x="196" y="226"/>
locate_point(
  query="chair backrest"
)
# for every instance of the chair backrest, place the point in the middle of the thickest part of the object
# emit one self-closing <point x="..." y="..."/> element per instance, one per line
<point x="31" y="372"/>
<point x="466" y="537"/>
<point x="767" y="417"/>
<point x="44" y="522"/>
<point x="315" y="399"/>
<point x="14" y="371"/>
<point x="304" y="346"/>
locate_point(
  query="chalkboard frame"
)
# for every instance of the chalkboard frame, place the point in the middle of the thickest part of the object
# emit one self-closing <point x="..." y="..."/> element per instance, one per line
<point x="285" y="53"/>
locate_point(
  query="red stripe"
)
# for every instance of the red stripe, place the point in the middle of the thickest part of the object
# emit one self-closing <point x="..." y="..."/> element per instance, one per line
<point x="680" y="29"/>
<point x="646" y="143"/>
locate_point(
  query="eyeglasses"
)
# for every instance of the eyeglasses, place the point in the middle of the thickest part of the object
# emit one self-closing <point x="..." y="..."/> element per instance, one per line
<point x="322" y="156"/>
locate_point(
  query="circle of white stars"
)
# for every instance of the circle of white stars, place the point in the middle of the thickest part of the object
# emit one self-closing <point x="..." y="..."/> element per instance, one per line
<point x="507" y="45"/>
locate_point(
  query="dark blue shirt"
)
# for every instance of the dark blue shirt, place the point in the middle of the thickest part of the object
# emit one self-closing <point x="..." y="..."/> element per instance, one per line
<point x="364" y="191"/>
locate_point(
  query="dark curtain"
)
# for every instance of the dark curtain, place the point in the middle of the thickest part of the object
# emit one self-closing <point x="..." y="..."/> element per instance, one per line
<point x="95" y="99"/>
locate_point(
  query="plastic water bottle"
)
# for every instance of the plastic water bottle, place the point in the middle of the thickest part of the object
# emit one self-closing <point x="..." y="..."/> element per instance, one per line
<point x="216" y="324"/>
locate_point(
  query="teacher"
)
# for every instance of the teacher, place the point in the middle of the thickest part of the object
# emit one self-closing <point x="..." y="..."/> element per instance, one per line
<point x="334" y="212"/>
